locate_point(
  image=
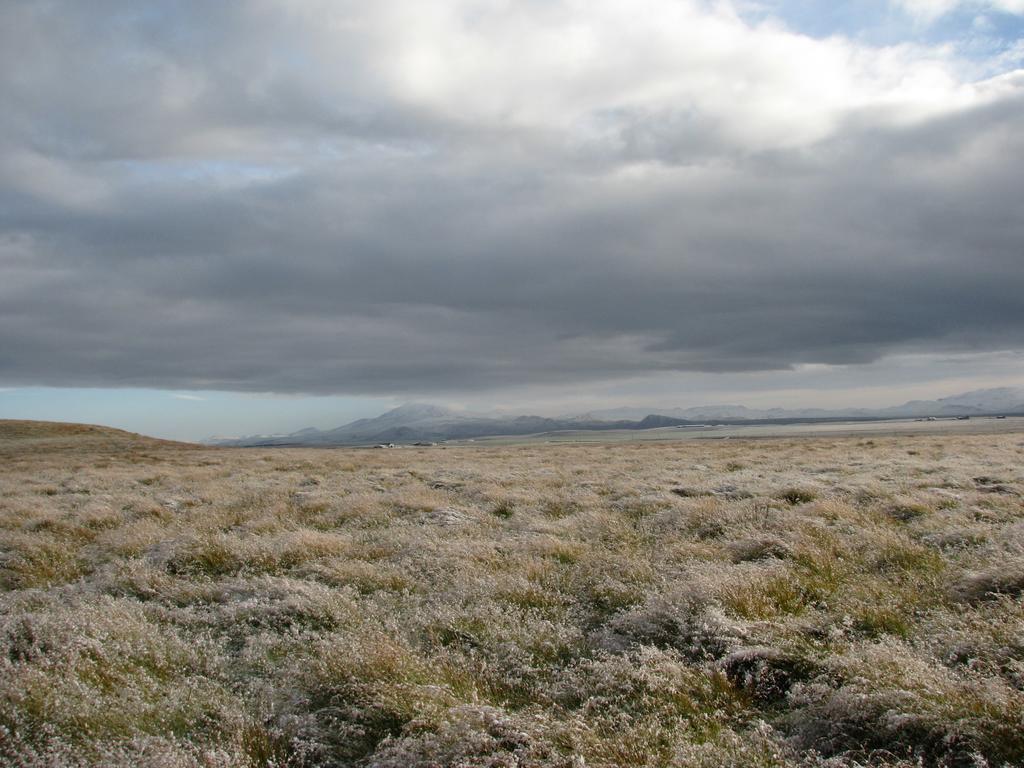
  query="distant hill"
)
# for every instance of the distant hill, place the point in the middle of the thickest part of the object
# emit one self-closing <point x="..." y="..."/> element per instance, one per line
<point x="420" y="422"/>
<point x="417" y="422"/>
<point x="978" y="402"/>
<point x="16" y="434"/>
<point x="14" y="429"/>
<point x="981" y="402"/>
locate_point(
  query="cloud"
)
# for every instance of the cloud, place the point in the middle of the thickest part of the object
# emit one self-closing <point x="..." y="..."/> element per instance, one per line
<point x="179" y="396"/>
<point x="462" y="195"/>
<point x="931" y="10"/>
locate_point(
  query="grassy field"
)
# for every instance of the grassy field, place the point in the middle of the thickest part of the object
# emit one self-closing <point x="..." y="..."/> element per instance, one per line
<point x="788" y="602"/>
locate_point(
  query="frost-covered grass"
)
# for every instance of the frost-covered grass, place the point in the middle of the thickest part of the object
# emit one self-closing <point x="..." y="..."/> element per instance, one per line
<point x="802" y="602"/>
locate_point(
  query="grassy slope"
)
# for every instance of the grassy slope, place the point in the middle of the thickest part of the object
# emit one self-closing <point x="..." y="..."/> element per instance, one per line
<point x="18" y="430"/>
<point x="740" y="603"/>
<point x="19" y="438"/>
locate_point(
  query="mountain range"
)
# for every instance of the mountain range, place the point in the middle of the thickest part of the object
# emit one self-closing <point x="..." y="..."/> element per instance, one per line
<point x="419" y="422"/>
<point x="979" y="402"/>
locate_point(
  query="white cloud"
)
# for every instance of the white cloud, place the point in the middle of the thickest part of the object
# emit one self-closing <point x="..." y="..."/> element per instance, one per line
<point x="572" y="69"/>
<point x="929" y="11"/>
<point x="296" y="80"/>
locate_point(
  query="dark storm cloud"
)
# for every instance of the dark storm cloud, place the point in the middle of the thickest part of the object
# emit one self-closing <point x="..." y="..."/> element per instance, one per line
<point x="247" y="198"/>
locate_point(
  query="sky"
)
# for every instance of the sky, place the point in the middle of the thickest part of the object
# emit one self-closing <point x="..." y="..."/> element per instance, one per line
<point x="258" y="216"/>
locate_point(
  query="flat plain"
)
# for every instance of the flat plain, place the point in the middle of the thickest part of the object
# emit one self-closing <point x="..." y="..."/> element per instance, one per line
<point x="788" y="601"/>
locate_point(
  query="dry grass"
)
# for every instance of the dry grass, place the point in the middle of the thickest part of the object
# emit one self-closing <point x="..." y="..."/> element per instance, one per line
<point x="796" y="602"/>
